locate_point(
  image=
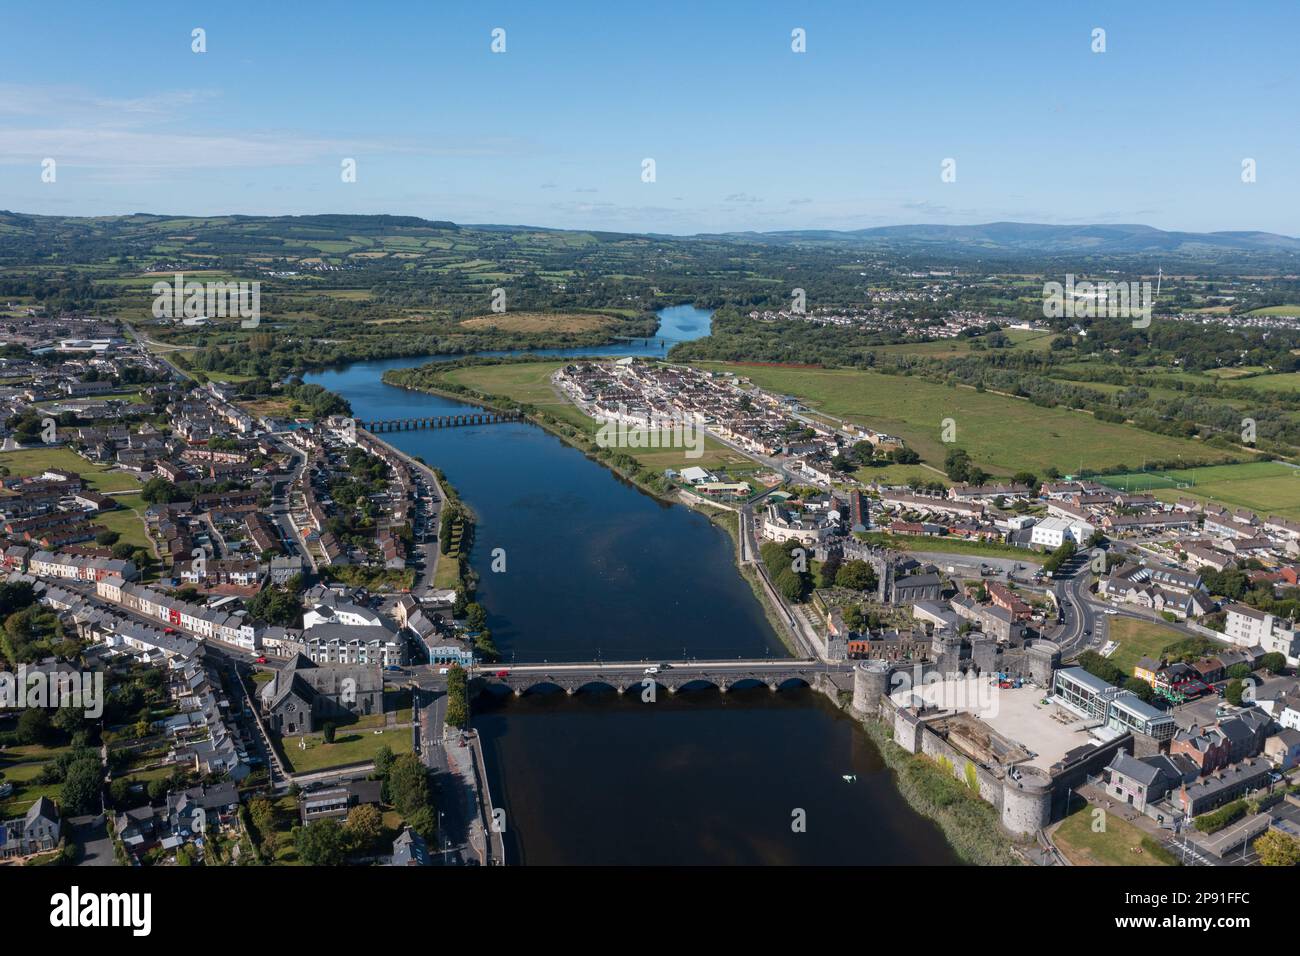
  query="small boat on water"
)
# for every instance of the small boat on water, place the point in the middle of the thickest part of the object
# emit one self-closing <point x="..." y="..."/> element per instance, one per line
<point x="850" y="778"/>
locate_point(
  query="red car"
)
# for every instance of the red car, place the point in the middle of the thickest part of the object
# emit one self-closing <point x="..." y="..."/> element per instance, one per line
<point x="260" y="660"/>
<point x="503" y="673"/>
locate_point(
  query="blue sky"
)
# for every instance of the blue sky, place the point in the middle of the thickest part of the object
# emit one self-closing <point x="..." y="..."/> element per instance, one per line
<point x="745" y="133"/>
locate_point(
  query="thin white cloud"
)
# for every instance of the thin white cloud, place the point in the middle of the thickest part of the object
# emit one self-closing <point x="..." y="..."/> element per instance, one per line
<point x="146" y="133"/>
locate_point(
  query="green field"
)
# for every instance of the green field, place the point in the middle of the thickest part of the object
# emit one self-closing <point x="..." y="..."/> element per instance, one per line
<point x="33" y="461"/>
<point x="900" y="475"/>
<point x="1021" y="339"/>
<point x="1138" y="639"/>
<point x="1120" y="844"/>
<point x="1276" y="382"/>
<point x="21" y="766"/>
<point x="1267" y="487"/>
<point x="1002" y="434"/>
<point x="957" y="546"/>
<point x="128" y="521"/>
<point x="1277" y="310"/>
<point x="530" y="383"/>
<point x="349" y="747"/>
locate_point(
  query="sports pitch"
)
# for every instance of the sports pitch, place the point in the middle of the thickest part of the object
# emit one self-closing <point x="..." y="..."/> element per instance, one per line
<point x="1267" y="487"/>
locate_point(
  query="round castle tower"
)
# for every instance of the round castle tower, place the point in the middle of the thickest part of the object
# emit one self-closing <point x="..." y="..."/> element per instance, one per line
<point x="870" y="683"/>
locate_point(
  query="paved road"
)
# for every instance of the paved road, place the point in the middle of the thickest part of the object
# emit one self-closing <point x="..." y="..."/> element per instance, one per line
<point x="1081" y="613"/>
<point x="428" y="548"/>
<point x="91" y="835"/>
<point x="290" y="534"/>
<point x="143" y="344"/>
<point x="636" y="668"/>
<point x="447" y="759"/>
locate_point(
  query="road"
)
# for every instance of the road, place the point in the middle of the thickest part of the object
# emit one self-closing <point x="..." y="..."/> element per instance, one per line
<point x="91" y="835"/>
<point x="460" y="832"/>
<point x="637" y="668"/>
<point x="1080" y="613"/>
<point x="280" y="507"/>
<point x="143" y="343"/>
<point x="428" y="547"/>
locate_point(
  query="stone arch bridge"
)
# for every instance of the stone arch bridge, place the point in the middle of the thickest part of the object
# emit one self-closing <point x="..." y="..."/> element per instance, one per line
<point x="437" y="421"/>
<point x="634" y="676"/>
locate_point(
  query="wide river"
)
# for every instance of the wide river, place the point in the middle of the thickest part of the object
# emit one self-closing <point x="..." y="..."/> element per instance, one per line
<point x="596" y="569"/>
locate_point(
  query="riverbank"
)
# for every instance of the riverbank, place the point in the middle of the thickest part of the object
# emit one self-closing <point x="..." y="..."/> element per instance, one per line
<point x="427" y="378"/>
<point x="455" y="540"/>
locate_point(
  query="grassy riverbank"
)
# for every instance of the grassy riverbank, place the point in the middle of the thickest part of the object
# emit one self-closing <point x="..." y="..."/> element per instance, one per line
<point x="968" y="823"/>
<point x="579" y="431"/>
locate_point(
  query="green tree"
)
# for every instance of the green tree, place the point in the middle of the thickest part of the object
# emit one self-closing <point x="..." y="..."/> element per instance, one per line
<point x="80" y="793"/>
<point x="1273" y="662"/>
<point x="1058" y="557"/>
<point x="364" y="825"/>
<point x="475" y="616"/>
<point x="1139" y="687"/>
<point x="1233" y="692"/>
<point x="856" y="575"/>
<point x="1276" y="848"/>
<point x="34" y="727"/>
<point x="408" y="784"/>
<point x="160" y="491"/>
<point x="424" y="822"/>
<point x="119" y="792"/>
<point x="262" y="812"/>
<point x="321" y="843"/>
<point x="384" y="760"/>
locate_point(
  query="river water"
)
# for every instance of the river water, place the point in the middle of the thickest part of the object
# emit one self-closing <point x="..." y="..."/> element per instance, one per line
<point x="597" y="569"/>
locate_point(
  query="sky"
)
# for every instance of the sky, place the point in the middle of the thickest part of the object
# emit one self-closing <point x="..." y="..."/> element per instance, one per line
<point x="744" y="132"/>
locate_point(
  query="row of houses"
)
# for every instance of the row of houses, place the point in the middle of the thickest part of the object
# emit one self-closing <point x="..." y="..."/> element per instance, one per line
<point x="205" y="622"/>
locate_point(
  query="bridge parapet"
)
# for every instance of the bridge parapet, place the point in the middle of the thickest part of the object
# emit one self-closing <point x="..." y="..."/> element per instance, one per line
<point x="671" y="679"/>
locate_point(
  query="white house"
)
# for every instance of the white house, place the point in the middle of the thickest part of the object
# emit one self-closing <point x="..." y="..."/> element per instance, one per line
<point x="1248" y="627"/>
<point x="352" y="615"/>
<point x="1051" y="533"/>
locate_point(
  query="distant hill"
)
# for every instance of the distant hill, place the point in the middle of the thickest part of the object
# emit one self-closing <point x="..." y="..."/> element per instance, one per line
<point x="1041" y="239"/>
<point x="25" y="237"/>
